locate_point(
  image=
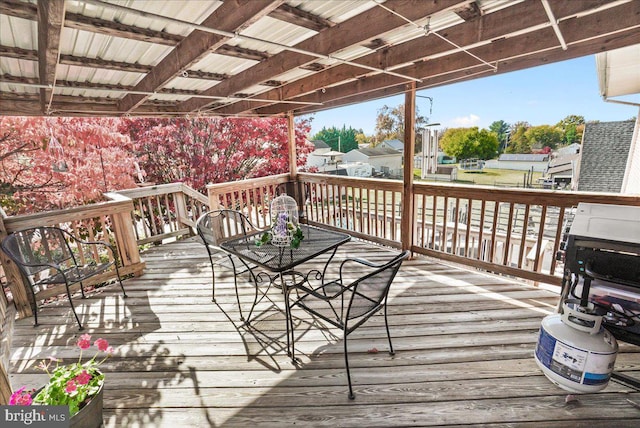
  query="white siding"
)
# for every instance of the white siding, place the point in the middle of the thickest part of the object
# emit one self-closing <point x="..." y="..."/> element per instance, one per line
<point x="631" y="183"/>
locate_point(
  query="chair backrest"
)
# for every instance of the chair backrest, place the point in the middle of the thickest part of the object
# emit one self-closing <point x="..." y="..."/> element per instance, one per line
<point x="370" y="291"/>
<point x="217" y="226"/>
<point x="35" y="249"/>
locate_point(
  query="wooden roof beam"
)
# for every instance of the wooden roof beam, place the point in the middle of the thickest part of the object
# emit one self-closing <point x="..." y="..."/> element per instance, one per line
<point x="19" y="9"/>
<point x="232" y="16"/>
<point x="584" y="40"/>
<point x="362" y="27"/>
<point x="489" y="27"/>
<point x="297" y="16"/>
<point x="50" y="22"/>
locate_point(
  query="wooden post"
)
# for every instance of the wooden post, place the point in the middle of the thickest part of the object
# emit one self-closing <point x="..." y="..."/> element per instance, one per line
<point x="407" y="221"/>
<point x="125" y="235"/>
<point x="5" y="386"/>
<point x="18" y="288"/>
<point x="293" y="164"/>
<point x="181" y="208"/>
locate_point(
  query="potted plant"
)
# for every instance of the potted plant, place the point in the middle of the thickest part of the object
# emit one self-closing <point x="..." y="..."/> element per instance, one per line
<point x="77" y="385"/>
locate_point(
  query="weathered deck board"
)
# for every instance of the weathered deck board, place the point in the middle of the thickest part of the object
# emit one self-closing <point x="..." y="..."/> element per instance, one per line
<point x="464" y="342"/>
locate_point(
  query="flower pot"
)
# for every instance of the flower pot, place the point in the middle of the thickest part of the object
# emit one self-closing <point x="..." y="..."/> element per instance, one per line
<point x="90" y="416"/>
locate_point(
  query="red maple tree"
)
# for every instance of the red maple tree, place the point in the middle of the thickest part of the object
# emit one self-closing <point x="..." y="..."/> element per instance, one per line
<point x="53" y="163"/>
<point x="198" y="151"/>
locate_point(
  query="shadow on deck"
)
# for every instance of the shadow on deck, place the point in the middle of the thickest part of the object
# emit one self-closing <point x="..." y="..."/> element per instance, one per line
<point x="464" y="343"/>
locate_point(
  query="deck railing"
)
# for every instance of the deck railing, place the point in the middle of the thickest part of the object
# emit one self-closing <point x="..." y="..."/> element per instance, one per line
<point x="129" y="219"/>
<point x="507" y="231"/>
<point x="164" y="211"/>
<point x="512" y="232"/>
<point x="252" y="197"/>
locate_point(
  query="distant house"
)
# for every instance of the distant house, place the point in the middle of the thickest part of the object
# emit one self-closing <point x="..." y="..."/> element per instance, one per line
<point x="604" y="157"/>
<point x="562" y="171"/>
<point x="385" y="161"/>
<point x="571" y="149"/>
<point x="394" y="145"/>
<point x="521" y="162"/>
<point x="319" y="159"/>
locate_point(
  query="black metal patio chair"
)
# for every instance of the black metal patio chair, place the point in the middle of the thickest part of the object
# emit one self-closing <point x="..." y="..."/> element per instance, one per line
<point x="215" y="227"/>
<point x="348" y="303"/>
<point x="48" y="256"/>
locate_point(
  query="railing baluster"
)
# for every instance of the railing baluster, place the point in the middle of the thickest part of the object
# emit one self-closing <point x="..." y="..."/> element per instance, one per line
<point x="523" y="238"/>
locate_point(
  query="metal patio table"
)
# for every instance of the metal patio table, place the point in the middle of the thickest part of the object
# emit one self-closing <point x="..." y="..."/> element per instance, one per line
<point x="281" y="261"/>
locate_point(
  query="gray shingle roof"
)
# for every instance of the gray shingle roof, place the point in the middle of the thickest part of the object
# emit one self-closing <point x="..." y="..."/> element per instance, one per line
<point x="605" y="149"/>
<point x="394" y="144"/>
<point x="378" y="151"/>
<point x="319" y="144"/>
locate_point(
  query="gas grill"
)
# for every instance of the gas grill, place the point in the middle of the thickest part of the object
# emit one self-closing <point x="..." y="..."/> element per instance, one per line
<point x="602" y="265"/>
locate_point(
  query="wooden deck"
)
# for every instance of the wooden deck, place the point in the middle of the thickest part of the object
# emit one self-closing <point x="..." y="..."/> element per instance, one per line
<point x="464" y="342"/>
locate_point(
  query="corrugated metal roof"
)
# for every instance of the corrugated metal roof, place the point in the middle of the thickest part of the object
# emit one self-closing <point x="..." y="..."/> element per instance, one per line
<point x="94" y="53"/>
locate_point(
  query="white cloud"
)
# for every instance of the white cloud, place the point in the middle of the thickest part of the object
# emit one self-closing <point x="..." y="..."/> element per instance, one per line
<point x="465" y="121"/>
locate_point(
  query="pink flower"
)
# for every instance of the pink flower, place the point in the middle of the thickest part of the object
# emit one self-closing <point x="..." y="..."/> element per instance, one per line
<point x="84" y="342"/>
<point x="83" y="378"/>
<point x="101" y="344"/>
<point x="71" y="387"/>
<point x="20" y="398"/>
<point x="109" y="350"/>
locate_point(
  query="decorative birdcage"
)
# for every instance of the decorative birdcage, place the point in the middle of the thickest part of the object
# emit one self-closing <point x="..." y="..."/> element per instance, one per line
<point x="285" y="226"/>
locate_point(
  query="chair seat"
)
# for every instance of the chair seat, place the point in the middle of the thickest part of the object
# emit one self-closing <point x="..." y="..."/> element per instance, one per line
<point x="74" y="274"/>
<point x="240" y="267"/>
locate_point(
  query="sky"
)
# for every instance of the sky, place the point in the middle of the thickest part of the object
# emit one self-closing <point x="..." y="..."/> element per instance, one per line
<point x="541" y="95"/>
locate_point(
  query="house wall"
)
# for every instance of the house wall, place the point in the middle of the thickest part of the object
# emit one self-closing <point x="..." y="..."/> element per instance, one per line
<point x="392" y="162"/>
<point x="631" y="182"/>
<point x="314" y="158"/>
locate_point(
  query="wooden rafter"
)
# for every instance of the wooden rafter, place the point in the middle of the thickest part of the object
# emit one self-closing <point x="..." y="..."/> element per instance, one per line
<point x="50" y="21"/>
<point x="297" y="16"/>
<point x="516" y="36"/>
<point x="230" y="16"/>
<point x="508" y="52"/>
<point x="466" y="34"/>
<point x="330" y="40"/>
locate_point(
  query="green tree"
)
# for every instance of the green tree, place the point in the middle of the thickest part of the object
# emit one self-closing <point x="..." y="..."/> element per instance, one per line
<point x="342" y="140"/>
<point x="466" y="143"/>
<point x="572" y="128"/>
<point x="361" y="138"/>
<point x="518" y="142"/>
<point x="542" y="136"/>
<point x="501" y="129"/>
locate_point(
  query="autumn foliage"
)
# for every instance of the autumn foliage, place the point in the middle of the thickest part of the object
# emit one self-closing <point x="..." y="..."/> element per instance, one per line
<point x="199" y="151"/>
<point x="49" y="163"/>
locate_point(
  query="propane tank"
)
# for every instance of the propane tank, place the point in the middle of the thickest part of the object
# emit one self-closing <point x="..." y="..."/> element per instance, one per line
<point x="574" y="351"/>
